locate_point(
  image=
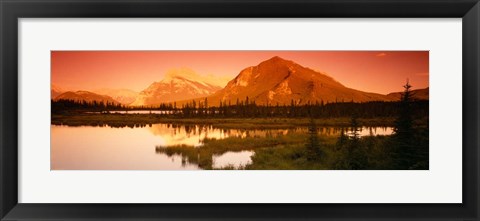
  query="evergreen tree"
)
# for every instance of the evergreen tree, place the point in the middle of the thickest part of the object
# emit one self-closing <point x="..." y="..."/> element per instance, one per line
<point x="404" y="155"/>
<point x="356" y="156"/>
<point x="342" y="139"/>
<point x="354" y="125"/>
<point x="314" y="151"/>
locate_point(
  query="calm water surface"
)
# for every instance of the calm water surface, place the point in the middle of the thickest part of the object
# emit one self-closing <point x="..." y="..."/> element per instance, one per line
<point x="107" y="148"/>
<point x="135" y="112"/>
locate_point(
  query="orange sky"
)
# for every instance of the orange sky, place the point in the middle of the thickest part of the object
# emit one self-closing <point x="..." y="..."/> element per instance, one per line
<point x="371" y="71"/>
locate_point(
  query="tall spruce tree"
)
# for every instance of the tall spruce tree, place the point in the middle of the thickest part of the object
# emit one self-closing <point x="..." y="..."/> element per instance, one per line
<point x="404" y="151"/>
<point x="314" y="151"/>
<point x="356" y="155"/>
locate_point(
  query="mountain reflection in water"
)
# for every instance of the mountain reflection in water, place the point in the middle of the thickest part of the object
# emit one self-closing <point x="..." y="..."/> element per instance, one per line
<point x="126" y="148"/>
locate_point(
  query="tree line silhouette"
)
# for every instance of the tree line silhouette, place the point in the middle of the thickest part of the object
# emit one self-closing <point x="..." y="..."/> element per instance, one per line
<point x="246" y="108"/>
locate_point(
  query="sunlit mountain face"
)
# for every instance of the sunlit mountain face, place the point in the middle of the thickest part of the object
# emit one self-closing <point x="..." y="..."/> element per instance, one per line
<point x="280" y="81"/>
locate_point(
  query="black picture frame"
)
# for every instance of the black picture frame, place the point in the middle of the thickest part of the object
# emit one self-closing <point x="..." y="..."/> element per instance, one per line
<point x="12" y="10"/>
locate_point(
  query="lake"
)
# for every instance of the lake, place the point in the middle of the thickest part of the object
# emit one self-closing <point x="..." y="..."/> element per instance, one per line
<point x="134" y="112"/>
<point x="108" y="148"/>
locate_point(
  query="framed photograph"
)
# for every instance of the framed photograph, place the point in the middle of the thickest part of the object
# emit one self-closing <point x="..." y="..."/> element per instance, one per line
<point x="248" y="110"/>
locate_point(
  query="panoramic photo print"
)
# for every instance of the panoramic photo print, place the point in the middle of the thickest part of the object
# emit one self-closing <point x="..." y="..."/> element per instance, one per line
<point x="239" y="110"/>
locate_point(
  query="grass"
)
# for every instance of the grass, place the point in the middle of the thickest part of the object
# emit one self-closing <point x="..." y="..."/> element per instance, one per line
<point x="203" y="155"/>
<point x="292" y="152"/>
<point x="294" y="156"/>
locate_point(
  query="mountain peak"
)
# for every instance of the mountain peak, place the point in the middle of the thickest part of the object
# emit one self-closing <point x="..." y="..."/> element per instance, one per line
<point x="281" y="81"/>
<point x="178" y="84"/>
<point x="276" y="60"/>
<point x="188" y="74"/>
<point x="55" y="91"/>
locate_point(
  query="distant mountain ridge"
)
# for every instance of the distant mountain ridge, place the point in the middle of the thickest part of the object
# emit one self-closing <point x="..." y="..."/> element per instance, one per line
<point x="85" y="96"/>
<point x="281" y="81"/>
<point x="417" y="94"/>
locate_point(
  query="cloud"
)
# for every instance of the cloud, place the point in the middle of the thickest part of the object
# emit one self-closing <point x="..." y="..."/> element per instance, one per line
<point x="381" y="54"/>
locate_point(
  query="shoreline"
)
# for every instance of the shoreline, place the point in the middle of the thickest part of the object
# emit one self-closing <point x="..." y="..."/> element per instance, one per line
<point x="120" y="120"/>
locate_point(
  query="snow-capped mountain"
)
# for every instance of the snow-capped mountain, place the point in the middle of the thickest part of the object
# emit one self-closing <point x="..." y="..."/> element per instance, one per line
<point x="179" y="84"/>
